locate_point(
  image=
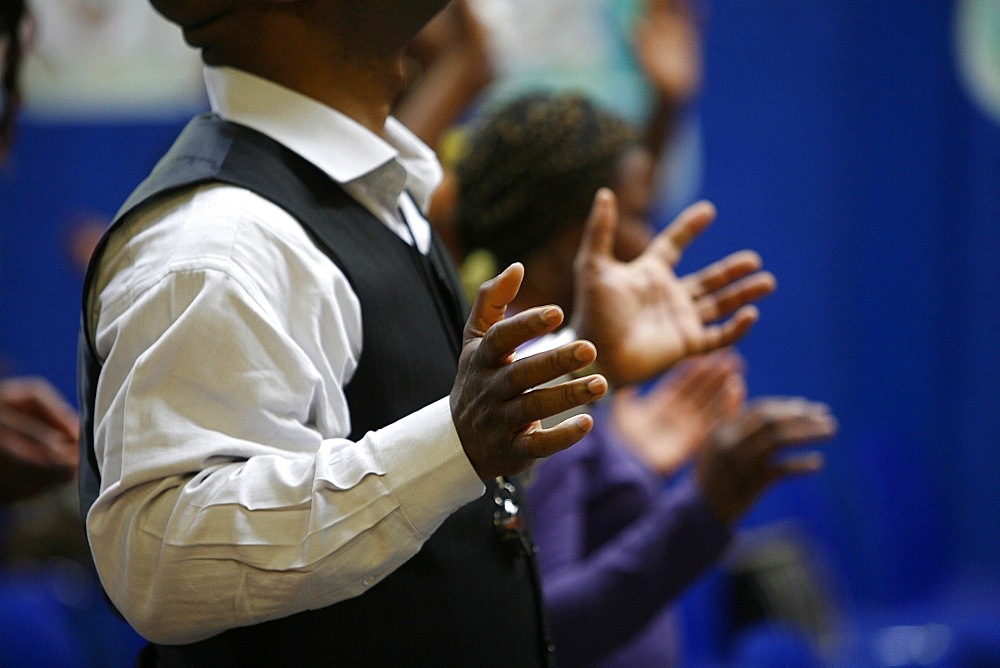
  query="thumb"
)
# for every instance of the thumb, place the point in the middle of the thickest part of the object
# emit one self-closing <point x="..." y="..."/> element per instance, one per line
<point x="599" y="231"/>
<point x="492" y="300"/>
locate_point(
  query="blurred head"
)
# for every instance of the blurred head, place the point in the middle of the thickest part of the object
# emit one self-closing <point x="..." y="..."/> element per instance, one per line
<point x="11" y="17"/>
<point x="529" y="178"/>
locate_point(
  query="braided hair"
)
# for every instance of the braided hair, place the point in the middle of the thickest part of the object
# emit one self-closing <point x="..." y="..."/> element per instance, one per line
<point x="533" y="168"/>
<point x="11" y="15"/>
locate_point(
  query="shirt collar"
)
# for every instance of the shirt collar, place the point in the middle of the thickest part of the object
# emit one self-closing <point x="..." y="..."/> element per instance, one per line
<point x="343" y="148"/>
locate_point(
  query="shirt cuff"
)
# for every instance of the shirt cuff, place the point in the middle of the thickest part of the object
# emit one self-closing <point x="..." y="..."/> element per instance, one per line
<point x="426" y="466"/>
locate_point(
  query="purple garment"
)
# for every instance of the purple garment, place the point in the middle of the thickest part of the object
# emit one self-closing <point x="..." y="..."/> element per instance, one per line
<point x="615" y="550"/>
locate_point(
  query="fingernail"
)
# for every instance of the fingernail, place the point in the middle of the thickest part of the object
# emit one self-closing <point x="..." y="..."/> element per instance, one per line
<point x="597" y="385"/>
<point x="551" y="315"/>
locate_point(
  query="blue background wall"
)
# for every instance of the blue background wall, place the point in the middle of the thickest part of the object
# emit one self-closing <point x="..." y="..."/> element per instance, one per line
<point x="839" y="143"/>
<point x="58" y="174"/>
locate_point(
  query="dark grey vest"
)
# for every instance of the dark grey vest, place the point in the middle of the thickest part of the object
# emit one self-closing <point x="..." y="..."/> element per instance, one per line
<point x="466" y="599"/>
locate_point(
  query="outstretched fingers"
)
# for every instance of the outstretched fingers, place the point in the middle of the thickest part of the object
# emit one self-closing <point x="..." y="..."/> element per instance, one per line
<point x="545" y="402"/>
<point x="692" y="221"/>
<point x="726" y="333"/>
<point x="701" y="378"/>
<point x="724" y="286"/>
<point x="36" y="397"/>
<point x="729" y="299"/>
<point x="498" y="344"/>
<point x="722" y="272"/>
<point x="779" y="423"/>
<point x="798" y="465"/>
<point x="754" y="451"/>
<point x="498" y="400"/>
<point x="529" y="372"/>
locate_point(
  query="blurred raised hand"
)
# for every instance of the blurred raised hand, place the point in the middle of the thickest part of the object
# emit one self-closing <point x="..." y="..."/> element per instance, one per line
<point x="39" y="432"/>
<point x="669" y="424"/>
<point x="747" y="455"/>
<point x="641" y="316"/>
<point x="668" y="46"/>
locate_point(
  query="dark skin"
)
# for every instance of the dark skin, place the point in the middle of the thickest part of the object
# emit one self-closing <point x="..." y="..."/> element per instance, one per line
<point x="349" y="55"/>
<point x="697" y="412"/>
<point x="749" y="454"/>
<point x="496" y="416"/>
<point x="38" y="438"/>
<point x="492" y="389"/>
<point x="549" y="275"/>
<point x="648" y="318"/>
<point x="447" y="66"/>
<point x="751" y="447"/>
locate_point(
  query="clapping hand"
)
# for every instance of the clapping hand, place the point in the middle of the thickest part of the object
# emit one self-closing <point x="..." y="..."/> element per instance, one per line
<point x="668" y="425"/>
<point x="496" y="402"/>
<point x="745" y="456"/>
<point x="38" y="438"/>
<point x="640" y="315"/>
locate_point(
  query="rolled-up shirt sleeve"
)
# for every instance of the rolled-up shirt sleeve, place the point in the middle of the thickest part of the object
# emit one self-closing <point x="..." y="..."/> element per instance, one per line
<point x="230" y="494"/>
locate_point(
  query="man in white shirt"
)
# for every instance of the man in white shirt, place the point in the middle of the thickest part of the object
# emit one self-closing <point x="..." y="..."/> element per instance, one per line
<point x="285" y="454"/>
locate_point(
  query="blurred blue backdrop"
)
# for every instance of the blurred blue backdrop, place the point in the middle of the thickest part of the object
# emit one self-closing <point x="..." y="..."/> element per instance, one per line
<point x="843" y="143"/>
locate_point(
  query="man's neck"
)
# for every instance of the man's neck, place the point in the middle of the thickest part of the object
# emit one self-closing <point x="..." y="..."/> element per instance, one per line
<point x="365" y="94"/>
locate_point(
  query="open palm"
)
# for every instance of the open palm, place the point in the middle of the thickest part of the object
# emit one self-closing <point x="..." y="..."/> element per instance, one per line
<point x="671" y="422"/>
<point x="642" y="317"/>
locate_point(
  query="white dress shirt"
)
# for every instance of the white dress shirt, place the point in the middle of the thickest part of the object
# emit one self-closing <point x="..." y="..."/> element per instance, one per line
<point x="229" y="492"/>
